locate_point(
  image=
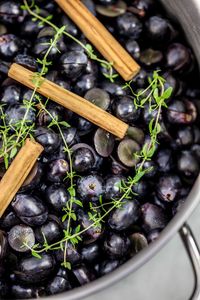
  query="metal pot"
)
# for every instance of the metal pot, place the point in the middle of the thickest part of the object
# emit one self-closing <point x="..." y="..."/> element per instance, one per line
<point x="187" y="13"/>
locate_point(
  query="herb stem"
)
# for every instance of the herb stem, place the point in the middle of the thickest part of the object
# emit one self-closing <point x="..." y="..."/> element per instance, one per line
<point x="70" y="175"/>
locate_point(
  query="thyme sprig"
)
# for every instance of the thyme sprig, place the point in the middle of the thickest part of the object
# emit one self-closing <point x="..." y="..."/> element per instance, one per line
<point x="34" y="11"/>
<point x="69" y="213"/>
<point x="14" y="135"/>
<point x="159" y="95"/>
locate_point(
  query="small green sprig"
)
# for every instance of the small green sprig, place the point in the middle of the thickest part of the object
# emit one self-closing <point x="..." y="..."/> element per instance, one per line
<point x="69" y="213"/>
<point x="34" y="11"/>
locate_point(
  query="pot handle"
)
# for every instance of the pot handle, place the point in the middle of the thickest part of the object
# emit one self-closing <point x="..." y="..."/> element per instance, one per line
<point x="194" y="254"/>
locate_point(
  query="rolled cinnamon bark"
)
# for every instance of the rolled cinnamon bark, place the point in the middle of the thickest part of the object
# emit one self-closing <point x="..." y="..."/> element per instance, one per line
<point x="17" y="172"/>
<point x="71" y="101"/>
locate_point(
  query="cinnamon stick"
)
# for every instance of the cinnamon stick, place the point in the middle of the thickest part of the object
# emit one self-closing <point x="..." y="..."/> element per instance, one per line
<point x="71" y="101"/>
<point x="17" y="172"/>
<point x="100" y="37"/>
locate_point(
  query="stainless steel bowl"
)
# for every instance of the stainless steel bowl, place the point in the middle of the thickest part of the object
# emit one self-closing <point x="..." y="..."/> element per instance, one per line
<point x="187" y="13"/>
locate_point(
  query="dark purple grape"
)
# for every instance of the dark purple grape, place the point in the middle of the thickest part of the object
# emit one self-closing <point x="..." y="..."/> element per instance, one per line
<point x="60" y="283"/>
<point x="125" y="110"/>
<point x="108" y="266"/>
<point x="92" y="68"/>
<point x="91" y="234"/>
<point x="83" y="126"/>
<point x="30" y="27"/>
<point x="71" y="27"/>
<point x="10" y="13"/>
<point x="178" y="57"/>
<point x="33" y="270"/>
<point x="143" y="7"/>
<point x="57" y="196"/>
<point x="184" y="137"/>
<point x="57" y="170"/>
<point x="90" y="253"/>
<point x="168" y="187"/>
<point x="71" y="136"/>
<point x="117" y="168"/>
<point x="150" y="167"/>
<point x="27" y="95"/>
<point x="196" y="151"/>
<point x="54" y="112"/>
<point x="47" y="138"/>
<point x="113" y="88"/>
<point x="73" y="256"/>
<point x="73" y="64"/>
<point x="158" y="30"/>
<point x="196" y="132"/>
<point x="113" y="187"/>
<point x="83" y="275"/>
<point x="90" y="187"/>
<point x="116" y="245"/>
<point x="181" y="112"/>
<point x="126" y="215"/>
<point x="153" y="217"/>
<point x="49" y="231"/>
<point x="133" y="48"/>
<point x="85" y="83"/>
<point x="10" y="94"/>
<point x="10" y="46"/>
<point x="33" y="179"/>
<point x="41" y="46"/>
<point x="107" y="2"/>
<point x="164" y="160"/>
<point x="188" y="165"/>
<point x="83" y="160"/>
<point x="141" y="79"/>
<point x="16" y="113"/>
<point x="29" y="209"/>
<point x="26" y="61"/>
<point x="129" y="25"/>
<point x="19" y="291"/>
<point x="157" y="201"/>
<point x="9" y="220"/>
<point x="141" y="189"/>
